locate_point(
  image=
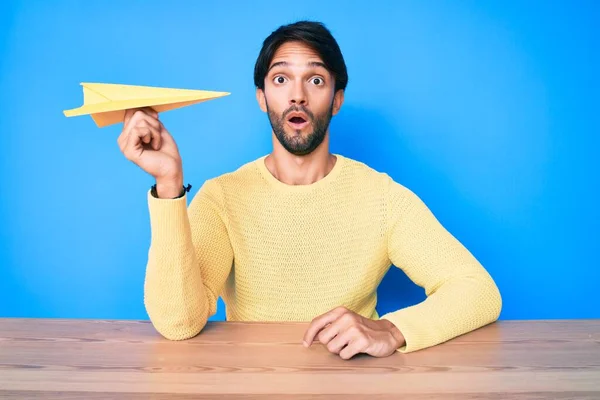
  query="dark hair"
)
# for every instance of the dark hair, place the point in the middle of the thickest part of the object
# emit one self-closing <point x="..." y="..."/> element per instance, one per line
<point x="313" y="34"/>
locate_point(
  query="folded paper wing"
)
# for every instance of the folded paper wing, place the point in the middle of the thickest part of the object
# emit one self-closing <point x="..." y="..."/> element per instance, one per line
<point x="107" y="102"/>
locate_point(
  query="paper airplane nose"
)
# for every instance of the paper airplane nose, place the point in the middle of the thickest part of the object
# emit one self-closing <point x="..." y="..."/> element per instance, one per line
<point x="107" y="102"/>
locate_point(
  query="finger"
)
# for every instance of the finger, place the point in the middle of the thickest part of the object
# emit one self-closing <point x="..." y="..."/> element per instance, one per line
<point x="355" y="346"/>
<point x="147" y="138"/>
<point x="342" y="339"/>
<point x="344" y="322"/>
<point x="149" y="117"/>
<point x="131" y="118"/>
<point x="128" y="114"/>
<point x="146" y="124"/>
<point x="167" y="139"/>
<point x="320" y="322"/>
<point x="135" y="116"/>
<point x="150" y="111"/>
<point x="135" y="138"/>
<point x="329" y="332"/>
<point x="166" y="135"/>
<point x="122" y="140"/>
<point x="156" y="139"/>
<point x="151" y="134"/>
<point x="143" y="133"/>
<point x="125" y="139"/>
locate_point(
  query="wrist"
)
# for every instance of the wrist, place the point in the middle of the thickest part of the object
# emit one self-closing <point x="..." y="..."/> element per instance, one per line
<point x="396" y="334"/>
<point x="169" y="188"/>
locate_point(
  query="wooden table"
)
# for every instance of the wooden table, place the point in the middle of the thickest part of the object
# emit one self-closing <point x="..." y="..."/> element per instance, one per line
<point x="99" y="359"/>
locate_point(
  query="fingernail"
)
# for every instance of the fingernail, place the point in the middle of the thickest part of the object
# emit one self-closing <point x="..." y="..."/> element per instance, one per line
<point x="305" y="344"/>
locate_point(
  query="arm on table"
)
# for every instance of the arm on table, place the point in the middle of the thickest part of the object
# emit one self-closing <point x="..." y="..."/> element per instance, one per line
<point x="189" y="259"/>
<point x="461" y="294"/>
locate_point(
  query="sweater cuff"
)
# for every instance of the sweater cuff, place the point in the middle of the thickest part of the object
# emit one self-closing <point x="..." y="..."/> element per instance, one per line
<point x="408" y="324"/>
<point x="168" y="219"/>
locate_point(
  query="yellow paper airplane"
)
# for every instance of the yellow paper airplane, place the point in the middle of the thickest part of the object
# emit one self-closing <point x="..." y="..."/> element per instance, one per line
<point x="107" y="102"/>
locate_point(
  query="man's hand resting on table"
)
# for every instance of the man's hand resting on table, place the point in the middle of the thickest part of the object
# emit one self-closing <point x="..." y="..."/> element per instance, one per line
<point x="346" y="333"/>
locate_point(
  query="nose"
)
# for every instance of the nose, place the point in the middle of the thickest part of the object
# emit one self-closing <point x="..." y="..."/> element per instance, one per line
<point x="298" y="95"/>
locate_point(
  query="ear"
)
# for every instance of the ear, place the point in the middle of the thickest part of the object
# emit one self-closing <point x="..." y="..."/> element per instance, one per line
<point x="338" y="100"/>
<point x="260" y="97"/>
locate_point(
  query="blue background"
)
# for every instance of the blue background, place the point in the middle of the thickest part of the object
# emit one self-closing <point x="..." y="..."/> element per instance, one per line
<point x="487" y="110"/>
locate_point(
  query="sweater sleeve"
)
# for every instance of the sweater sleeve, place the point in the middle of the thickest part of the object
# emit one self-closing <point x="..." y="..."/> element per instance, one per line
<point x="189" y="260"/>
<point x="461" y="295"/>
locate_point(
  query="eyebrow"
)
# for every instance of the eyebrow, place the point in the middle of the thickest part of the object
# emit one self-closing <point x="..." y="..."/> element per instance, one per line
<point x="309" y="64"/>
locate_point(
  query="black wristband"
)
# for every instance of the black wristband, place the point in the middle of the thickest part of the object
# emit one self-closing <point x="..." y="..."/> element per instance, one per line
<point x="184" y="190"/>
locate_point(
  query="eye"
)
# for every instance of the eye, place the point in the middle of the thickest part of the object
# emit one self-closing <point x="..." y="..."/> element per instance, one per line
<point x="318" y="81"/>
<point x="279" y="79"/>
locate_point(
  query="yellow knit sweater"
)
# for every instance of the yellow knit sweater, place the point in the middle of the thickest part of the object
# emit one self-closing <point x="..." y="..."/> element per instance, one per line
<point x="278" y="252"/>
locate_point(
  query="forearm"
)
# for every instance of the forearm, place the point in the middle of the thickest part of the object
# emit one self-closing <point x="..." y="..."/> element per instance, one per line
<point x="174" y="295"/>
<point x="458" y="306"/>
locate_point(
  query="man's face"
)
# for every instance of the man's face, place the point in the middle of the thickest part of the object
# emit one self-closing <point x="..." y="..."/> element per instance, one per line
<point x="299" y="98"/>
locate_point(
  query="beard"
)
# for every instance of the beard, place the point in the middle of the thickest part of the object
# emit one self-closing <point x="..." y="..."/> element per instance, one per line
<point x="296" y="143"/>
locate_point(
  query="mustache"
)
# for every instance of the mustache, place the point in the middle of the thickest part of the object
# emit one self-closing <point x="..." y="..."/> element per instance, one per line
<point x="298" y="109"/>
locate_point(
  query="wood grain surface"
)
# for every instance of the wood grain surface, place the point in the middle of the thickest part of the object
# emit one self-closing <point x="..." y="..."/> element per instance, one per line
<point x="103" y="359"/>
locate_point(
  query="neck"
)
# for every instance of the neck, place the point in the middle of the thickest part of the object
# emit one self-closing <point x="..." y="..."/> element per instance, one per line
<point x="300" y="170"/>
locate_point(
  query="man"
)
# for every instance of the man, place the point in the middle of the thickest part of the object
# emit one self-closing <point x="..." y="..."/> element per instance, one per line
<point x="301" y="234"/>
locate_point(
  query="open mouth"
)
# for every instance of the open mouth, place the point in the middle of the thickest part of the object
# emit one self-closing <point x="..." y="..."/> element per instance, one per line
<point x="297" y="122"/>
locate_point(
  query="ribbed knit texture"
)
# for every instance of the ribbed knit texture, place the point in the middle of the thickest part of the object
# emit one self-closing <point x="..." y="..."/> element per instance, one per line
<point x="278" y="252"/>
